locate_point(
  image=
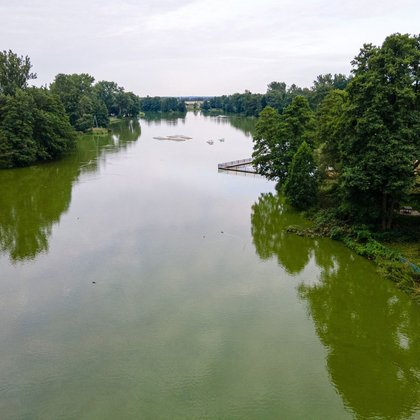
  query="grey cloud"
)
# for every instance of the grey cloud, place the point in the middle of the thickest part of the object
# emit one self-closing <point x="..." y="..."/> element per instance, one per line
<point x="175" y="47"/>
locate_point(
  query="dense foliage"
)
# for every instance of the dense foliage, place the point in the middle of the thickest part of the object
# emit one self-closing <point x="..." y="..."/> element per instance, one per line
<point x="278" y="96"/>
<point x="278" y="137"/>
<point x="165" y="104"/>
<point x="90" y="105"/>
<point x="33" y="124"/>
<point x="300" y="187"/>
<point x="365" y="137"/>
<point x="39" y="124"/>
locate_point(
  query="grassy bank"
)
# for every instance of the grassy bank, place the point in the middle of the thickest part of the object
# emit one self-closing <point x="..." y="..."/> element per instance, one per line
<point x="396" y="253"/>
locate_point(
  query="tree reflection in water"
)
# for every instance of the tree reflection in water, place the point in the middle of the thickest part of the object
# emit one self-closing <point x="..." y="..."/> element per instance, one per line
<point x="33" y="199"/>
<point x="269" y="217"/>
<point x="371" y="331"/>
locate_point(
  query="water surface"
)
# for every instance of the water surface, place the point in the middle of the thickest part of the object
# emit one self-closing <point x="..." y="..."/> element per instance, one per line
<point x="139" y="282"/>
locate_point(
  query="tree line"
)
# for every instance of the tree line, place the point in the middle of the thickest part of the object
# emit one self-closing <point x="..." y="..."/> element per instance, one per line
<point x="278" y="96"/>
<point x="352" y="147"/>
<point x="162" y="104"/>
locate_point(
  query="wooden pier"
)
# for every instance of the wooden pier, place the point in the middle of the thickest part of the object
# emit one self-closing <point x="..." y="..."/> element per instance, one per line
<point x="243" y="165"/>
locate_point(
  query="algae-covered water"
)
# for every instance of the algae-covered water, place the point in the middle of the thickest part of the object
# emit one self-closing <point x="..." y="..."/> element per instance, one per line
<point x="137" y="281"/>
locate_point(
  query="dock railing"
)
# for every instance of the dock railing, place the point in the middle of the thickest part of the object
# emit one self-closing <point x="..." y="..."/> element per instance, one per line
<point x="233" y="163"/>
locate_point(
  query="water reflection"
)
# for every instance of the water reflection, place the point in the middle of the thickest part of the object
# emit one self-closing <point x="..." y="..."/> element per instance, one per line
<point x="372" y="336"/>
<point x="371" y="331"/>
<point x="165" y="118"/>
<point x="33" y="199"/>
<point x="269" y="217"/>
<point x="244" y="124"/>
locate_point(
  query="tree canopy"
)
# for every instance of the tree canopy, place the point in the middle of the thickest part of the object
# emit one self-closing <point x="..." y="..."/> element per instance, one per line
<point x="15" y="72"/>
<point x="381" y="128"/>
<point x="278" y="96"/>
<point x="278" y="137"/>
<point x="33" y="123"/>
<point x="365" y="134"/>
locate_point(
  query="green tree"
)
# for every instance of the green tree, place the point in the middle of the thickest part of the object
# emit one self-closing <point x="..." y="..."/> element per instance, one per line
<point x="33" y="127"/>
<point x="300" y="187"/>
<point x="331" y="130"/>
<point x="277" y="137"/>
<point x="51" y="129"/>
<point x="83" y="105"/>
<point x="267" y="144"/>
<point x="276" y="95"/>
<point x="325" y="83"/>
<point x="107" y="92"/>
<point x="17" y="145"/>
<point x="382" y="128"/>
<point x="15" y="72"/>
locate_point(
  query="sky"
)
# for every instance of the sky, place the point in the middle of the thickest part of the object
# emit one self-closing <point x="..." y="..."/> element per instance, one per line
<point x="199" y="47"/>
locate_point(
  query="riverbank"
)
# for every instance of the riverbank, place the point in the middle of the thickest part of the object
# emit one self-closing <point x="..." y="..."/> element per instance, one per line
<point x="396" y="253"/>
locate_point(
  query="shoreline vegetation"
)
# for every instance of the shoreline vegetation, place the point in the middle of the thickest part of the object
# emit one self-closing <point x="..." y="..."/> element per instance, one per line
<point x="394" y="260"/>
<point x="41" y="124"/>
<point x="350" y="159"/>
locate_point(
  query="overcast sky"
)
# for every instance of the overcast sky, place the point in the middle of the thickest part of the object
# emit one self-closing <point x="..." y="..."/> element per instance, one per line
<point x="199" y="47"/>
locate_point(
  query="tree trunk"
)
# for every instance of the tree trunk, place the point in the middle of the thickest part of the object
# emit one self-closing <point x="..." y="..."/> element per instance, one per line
<point x="390" y="214"/>
<point x="384" y="211"/>
<point x="387" y="211"/>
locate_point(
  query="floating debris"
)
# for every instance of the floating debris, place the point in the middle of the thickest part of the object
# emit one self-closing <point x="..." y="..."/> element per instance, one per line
<point x="210" y="142"/>
<point x="221" y="140"/>
<point x="176" y="137"/>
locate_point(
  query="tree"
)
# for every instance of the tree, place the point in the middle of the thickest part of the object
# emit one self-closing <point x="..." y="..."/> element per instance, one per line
<point x="15" y="72"/>
<point x="33" y="127"/>
<point x="324" y="84"/>
<point x="17" y="145"/>
<point x="276" y="95"/>
<point x="82" y="103"/>
<point x="51" y="129"/>
<point x="331" y="130"/>
<point x="267" y="144"/>
<point x="300" y="188"/>
<point x="277" y="138"/>
<point x="382" y="128"/>
<point x="107" y="92"/>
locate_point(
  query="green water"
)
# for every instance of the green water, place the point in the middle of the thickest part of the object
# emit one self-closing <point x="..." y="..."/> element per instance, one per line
<point x="136" y="281"/>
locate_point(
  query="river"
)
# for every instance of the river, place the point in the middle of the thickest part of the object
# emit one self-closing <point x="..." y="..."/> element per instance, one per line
<point x="137" y="281"/>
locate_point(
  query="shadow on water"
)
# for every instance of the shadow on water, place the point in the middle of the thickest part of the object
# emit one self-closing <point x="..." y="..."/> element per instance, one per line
<point x="33" y="199"/>
<point x="370" y="330"/>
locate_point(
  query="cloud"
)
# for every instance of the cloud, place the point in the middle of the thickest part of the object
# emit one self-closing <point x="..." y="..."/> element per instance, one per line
<point x="178" y="47"/>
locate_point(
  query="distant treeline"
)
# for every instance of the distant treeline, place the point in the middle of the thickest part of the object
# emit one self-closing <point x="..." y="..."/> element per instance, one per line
<point x="278" y="96"/>
<point x="162" y="104"/>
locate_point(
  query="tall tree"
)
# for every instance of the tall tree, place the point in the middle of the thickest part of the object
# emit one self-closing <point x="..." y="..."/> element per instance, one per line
<point x="277" y="137"/>
<point x="330" y="130"/>
<point x="300" y="187"/>
<point x="267" y="144"/>
<point x="382" y="127"/>
<point x="325" y="83"/>
<point x="82" y="103"/>
<point x="33" y="127"/>
<point x="15" y="72"/>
